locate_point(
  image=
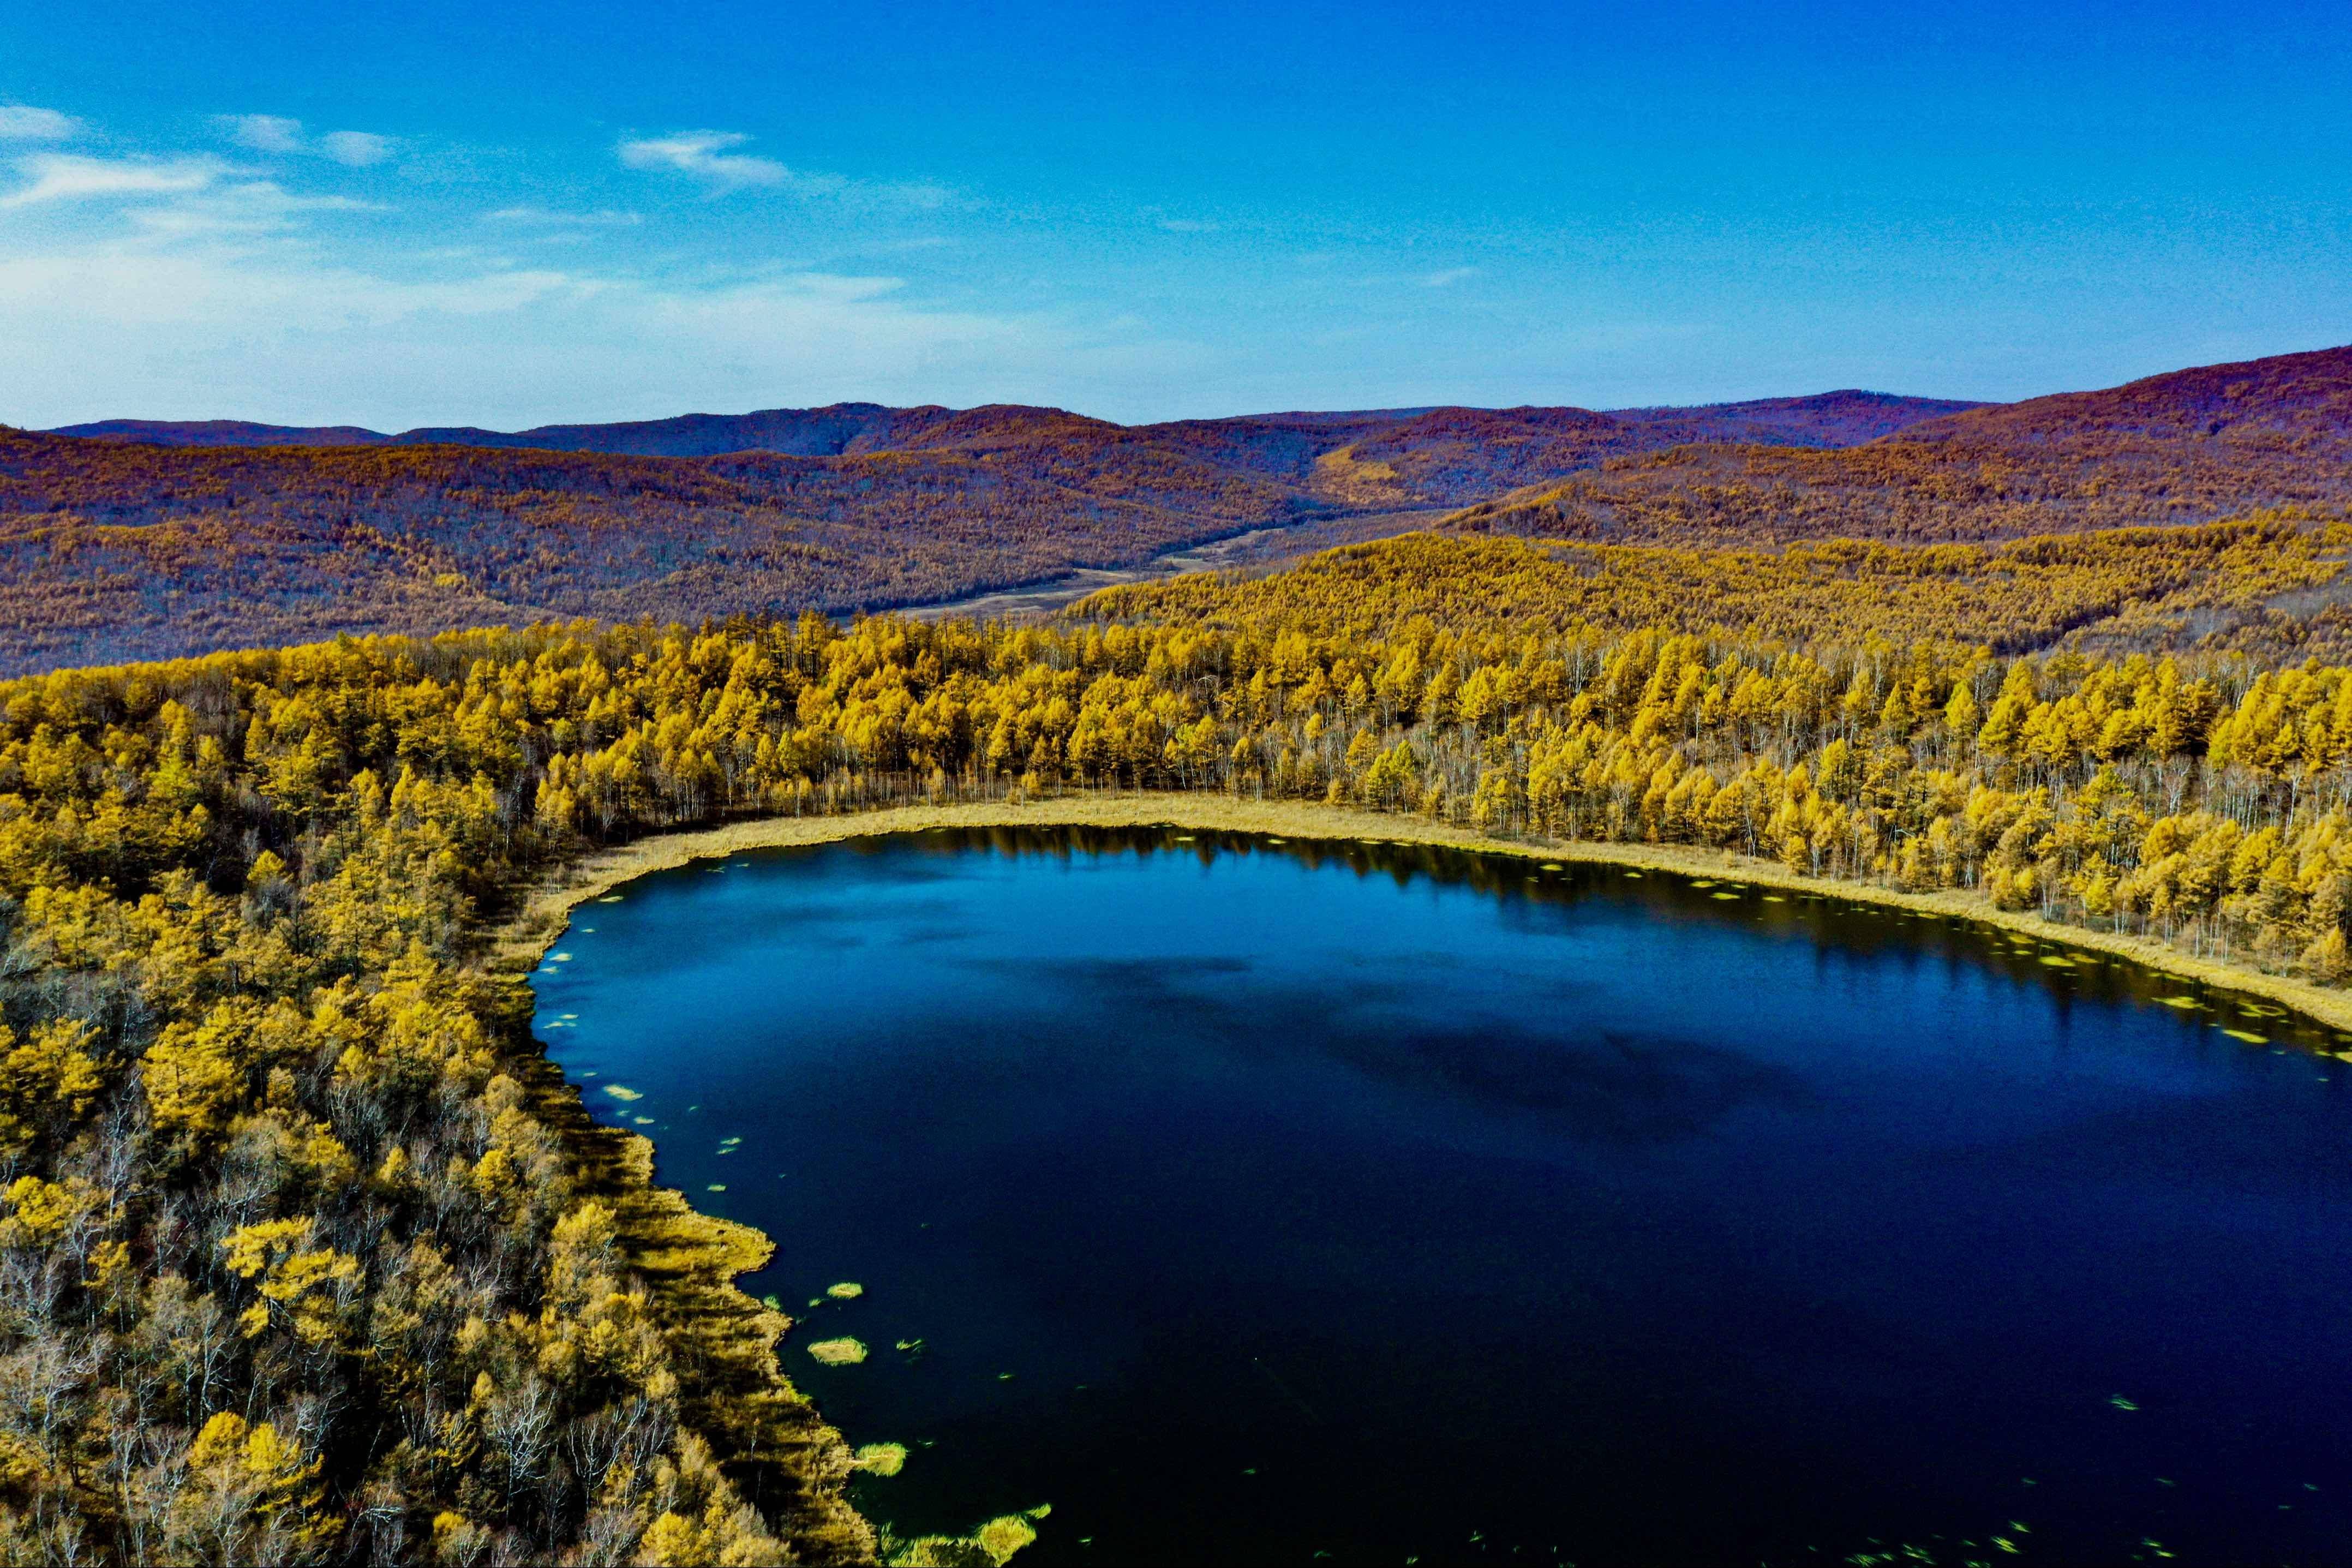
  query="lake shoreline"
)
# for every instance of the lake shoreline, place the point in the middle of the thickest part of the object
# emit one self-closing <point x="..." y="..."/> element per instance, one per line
<point x="716" y="1296"/>
<point x="520" y="939"/>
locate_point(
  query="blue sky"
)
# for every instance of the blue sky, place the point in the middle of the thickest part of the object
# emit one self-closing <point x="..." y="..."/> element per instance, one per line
<point x="530" y="212"/>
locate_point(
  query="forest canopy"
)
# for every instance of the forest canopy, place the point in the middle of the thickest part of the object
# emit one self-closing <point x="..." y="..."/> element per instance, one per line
<point x="307" y="1254"/>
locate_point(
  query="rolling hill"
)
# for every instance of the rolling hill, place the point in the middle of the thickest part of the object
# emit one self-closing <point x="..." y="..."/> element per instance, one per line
<point x="2188" y="446"/>
<point x="134" y="539"/>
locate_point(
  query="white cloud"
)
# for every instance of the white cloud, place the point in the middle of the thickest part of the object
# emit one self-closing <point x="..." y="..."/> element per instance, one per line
<point x="262" y="132"/>
<point x="360" y="148"/>
<point x="1188" y="226"/>
<point x="549" y="217"/>
<point x="247" y="207"/>
<point x="278" y="133"/>
<point x="65" y="177"/>
<point x="1448" y="277"/>
<point x="22" y="123"/>
<point x="176" y="319"/>
<point x="703" y="155"/>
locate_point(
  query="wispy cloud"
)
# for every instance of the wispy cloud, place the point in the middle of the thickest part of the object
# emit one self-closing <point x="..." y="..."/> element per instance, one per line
<point x="1189" y="225"/>
<point x="262" y="132"/>
<point x="709" y="158"/>
<point x="704" y="156"/>
<point x="172" y="320"/>
<point x="22" y="123"/>
<point x="242" y="206"/>
<point x="551" y="218"/>
<point x="359" y="149"/>
<point x="1448" y="277"/>
<point x="66" y="176"/>
<point x="278" y="134"/>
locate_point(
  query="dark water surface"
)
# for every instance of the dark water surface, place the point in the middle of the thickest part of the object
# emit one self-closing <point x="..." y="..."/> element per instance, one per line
<point x="1254" y="1200"/>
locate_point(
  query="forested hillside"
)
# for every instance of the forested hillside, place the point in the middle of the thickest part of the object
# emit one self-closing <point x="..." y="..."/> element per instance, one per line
<point x="192" y="537"/>
<point x="2272" y="583"/>
<point x="2190" y="446"/>
<point x="309" y="1257"/>
<point x="174" y="539"/>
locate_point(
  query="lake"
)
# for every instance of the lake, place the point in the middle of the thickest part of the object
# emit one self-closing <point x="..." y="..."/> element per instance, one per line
<point x="1248" y="1201"/>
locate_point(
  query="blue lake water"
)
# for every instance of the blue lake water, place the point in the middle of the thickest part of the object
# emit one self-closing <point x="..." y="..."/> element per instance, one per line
<point x="1251" y="1200"/>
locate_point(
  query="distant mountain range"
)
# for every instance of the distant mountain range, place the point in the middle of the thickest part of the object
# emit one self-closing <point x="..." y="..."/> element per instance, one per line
<point x="860" y="429"/>
<point x="132" y="539"/>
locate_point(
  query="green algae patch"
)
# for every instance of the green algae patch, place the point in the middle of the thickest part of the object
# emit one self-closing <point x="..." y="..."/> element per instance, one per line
<point x="847" y="1290"/>
<point x="1554" y="866"/>
<point x="2178" y="1001"/>
<point x="2248" y="1035"/>
<point x="880" y="1458"/>
<point x="622" y="1091"/>
<point x="2056" y="961"/>
<point x="1731" y="896"/>
<point x="844" y="1352"/>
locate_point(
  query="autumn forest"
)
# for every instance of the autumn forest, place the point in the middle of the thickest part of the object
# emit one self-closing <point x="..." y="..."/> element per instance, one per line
<point x="310" y="1256"/>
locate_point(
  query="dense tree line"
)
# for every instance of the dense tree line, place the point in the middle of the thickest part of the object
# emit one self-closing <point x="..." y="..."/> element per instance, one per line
<point x="2254" y="581"/>
<point x="305" y="1259"/>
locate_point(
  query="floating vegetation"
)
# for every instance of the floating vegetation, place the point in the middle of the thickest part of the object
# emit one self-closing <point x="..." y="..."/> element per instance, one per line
<point x="1702" y="882"/>
<point x="558" y="957"/>
<point x="2120" y="1403"/>
<point x="2248" y="1035"/>
<point x="1183" y="839"/>
<point x="643" y="1120"/>
<point x="880" y="1458"/>
<point x="1774" y="899"/>
<point x="1732" y="896"/>
<point x="2057" y="960"/>
<point x="996" y="1542"/>
<point x="847" y="1290"/>
<point x="610" y="899"/>
<point x="1554" y="866"/>
<point x="622" y="1091"/>
<point x="2178" y="1001"/>
<point x="839" y="1352"/>
<point x="772" y="1303"/>
<point x="1001" y="1538"/>
<point x="913" y="1344"/>
<point x="1635" y="875"/>
<point x="716" y="1187"/>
